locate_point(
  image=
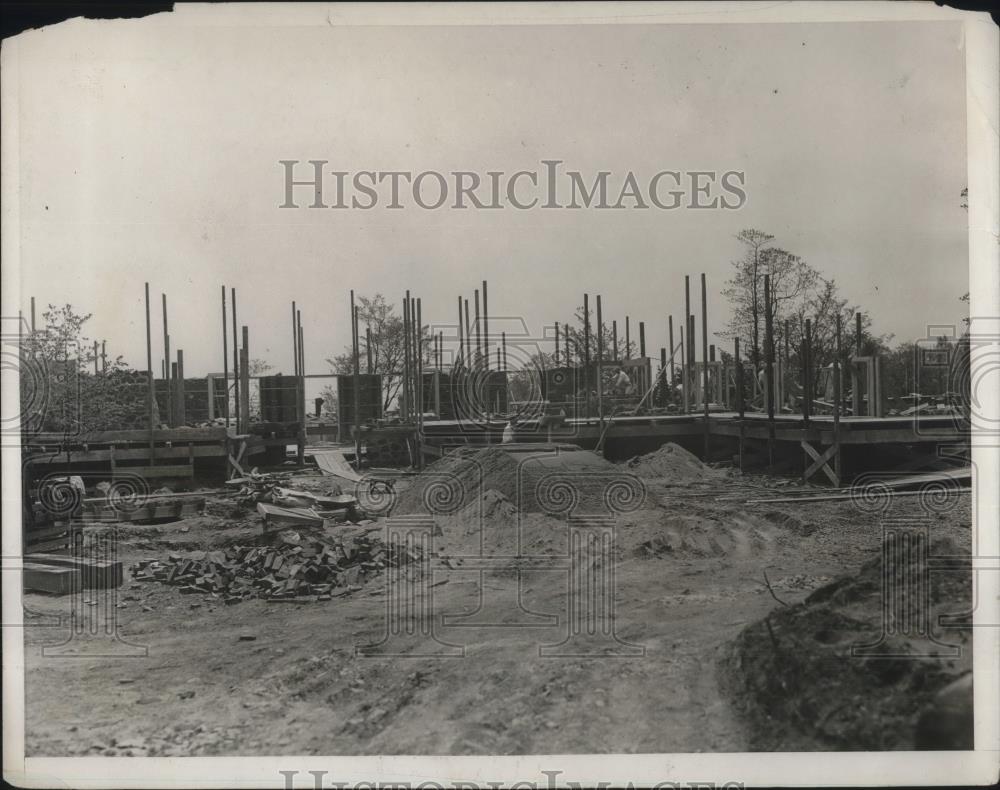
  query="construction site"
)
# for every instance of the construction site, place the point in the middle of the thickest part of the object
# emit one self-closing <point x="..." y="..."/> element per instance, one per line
<point x="498" y="540"/>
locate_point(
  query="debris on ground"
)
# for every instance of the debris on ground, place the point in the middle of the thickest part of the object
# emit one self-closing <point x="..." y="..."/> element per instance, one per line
<point x="294" y="569"/>
<point x="800" y="681"/>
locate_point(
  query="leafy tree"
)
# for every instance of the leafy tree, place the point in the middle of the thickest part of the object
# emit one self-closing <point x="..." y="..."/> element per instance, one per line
<point x="61" y="393"/>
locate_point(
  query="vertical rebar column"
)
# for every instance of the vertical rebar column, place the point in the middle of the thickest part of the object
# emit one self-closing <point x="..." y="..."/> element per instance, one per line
<point x="686" y="370"/>
<point x="614" y="339"/>
<point x="357" y="386"/>
<point x="769" y="369"/>
<point x="245" y="382"/>
<point x="557" y="344"/>
<point x="807" y="373"/>
<point x="566" y="344"/>
<point x="642" y="339"/>
<point x="180" y="410"/>
<point x="166" y="356"/>
<point x="740" y="407"/>
<point x="486" y="329"/>
<point x="704" y="364"/>
<point x="855" y="378"/>
<point x="468" y="337"/>
<point x="586" y="354"/>
<point x="104" y="356"/>
<point x="600" y="359"/>
<point x="419" y="328"/>
<point x="225" y="358"/>
<point x="662" y="377"/>
<point x="368" y="347"/>
<point x="628" y="339"/>
<point x="503" y="345"/>
<point x="405" y="399"/>
<point x="150" y="394"/>
<point x="479" y="335"/>
<point x="236" y="366"/>
<point x="837" y="396"/>
<point x="461" y="335"/>
<point x="670" y="339"/>
<point x="301" y="448"/>
<point x="684" y="387"/>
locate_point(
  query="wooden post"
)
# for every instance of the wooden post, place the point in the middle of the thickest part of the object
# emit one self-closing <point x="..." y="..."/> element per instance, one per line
<point x="740" y="406"/>
<point x="566" y="344"/>
<point x="614" y="340"/>
<point x="95" y="358"/>
<point x="104" y="356"/>
<point x="236" y="366"/>
<point x="503" y="344"/>
<point x="642" y="339"/>
<point x="704" y="362"/>
<point x="166" y="355"/>
<point x="769" y="368"/>
<point x="557" y="344"/>
<point x="479" y="335"/>
<point x="628" y="338"/>
<point x="357" y="383"/>
<point x="855" y="378"/>
<point x="225" y="359"/>
<point x="32" y="314"/>
<point x="150" y="390"/>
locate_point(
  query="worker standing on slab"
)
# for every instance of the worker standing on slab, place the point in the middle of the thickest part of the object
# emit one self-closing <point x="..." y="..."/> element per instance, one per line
<point x="508" y="432"/>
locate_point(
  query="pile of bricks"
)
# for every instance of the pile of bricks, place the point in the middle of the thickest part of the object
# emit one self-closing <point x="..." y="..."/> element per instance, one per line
<point x="312" y="569"/>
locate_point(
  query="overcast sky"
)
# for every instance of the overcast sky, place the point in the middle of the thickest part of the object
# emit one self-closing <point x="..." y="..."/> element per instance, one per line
<point x="150" y="152"/>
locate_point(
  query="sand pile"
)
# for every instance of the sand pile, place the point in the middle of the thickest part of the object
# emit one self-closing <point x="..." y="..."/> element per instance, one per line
<point x="674" y="464"/>
<point x="543" y="481"/>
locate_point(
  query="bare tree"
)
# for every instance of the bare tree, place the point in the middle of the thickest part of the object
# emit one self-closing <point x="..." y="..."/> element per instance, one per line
<point x="387" y="346"/>
<point x="792" y="283"/>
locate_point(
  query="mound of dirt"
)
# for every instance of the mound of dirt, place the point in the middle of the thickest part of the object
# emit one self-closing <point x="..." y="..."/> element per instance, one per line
<point x="825" y="674"/>
<point x="674" y="464"/>
<point x="546" y="481"/>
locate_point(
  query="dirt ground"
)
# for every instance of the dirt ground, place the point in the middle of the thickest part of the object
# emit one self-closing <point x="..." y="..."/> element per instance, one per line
<point x="258" y="677"/>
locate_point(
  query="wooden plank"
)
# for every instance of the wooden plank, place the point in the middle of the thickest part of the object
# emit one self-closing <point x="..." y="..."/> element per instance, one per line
<point x="820" y="462"/>
<point x="50" y="578"/>
<point x="333" y="462"/>
<point x="95" y="573"/>
<point x="215" y="433"/>
<point x="154" y="472"/>
<point x="139" y="454"/>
